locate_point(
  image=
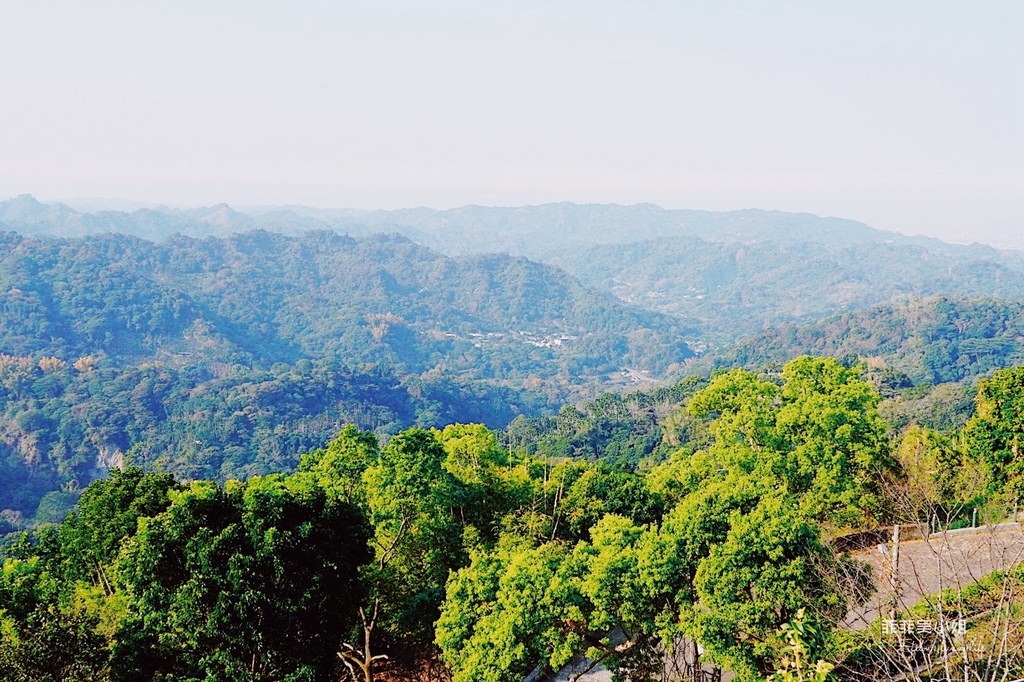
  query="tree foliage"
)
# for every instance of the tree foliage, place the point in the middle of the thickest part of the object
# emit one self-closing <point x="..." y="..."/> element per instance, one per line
<point x="735" y="547"/>
<point x="494" y="554"/>
<point x="995" y="434"/>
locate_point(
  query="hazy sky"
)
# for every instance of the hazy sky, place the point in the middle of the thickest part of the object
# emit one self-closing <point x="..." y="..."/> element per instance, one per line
<point x="906" y="115"/>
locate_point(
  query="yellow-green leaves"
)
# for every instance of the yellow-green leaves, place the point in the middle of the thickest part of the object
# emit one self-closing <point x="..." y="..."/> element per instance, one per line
<point x="994" y="436"/>
<point x="339" y="467"/>
<point x="817" y="435"/>
<point x="800" y="662"/>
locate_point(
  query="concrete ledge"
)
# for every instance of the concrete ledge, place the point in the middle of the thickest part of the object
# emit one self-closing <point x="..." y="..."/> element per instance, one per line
<point x="868" y="539"/>
<point x="1009" y="525"/>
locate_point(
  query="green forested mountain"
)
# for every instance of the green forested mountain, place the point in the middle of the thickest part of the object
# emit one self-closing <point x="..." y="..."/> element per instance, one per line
<point x="730" y="274"/>
<point x="61" y="426"/>
<point x="385" y="333"/>
<point x="735" y="288"/>
<point x="224" y="357"/>
<point x="705" y="512"/>
<point x="935" y="339"/>
<point x="264" y="298"/>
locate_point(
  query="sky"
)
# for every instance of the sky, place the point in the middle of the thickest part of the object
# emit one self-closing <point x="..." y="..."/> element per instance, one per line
<point x="906" y="115"/>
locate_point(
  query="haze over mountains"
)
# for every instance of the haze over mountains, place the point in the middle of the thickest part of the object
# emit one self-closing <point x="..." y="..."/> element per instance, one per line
<point x="726" y="275"/>
<point x="537" y="232"/>
<point x="259" y="435"/>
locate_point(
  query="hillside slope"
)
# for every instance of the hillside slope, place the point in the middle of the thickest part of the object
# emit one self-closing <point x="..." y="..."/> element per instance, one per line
<point x="265" y="298"/>
<point x="225" y="357"/>
<point x="734" y="289"/>
<point x="936" y="339"/>
<point x="730" y="273"/>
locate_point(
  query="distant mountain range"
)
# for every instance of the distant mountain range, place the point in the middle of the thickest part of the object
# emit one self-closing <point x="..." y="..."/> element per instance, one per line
<point x="218" y="343"/>
<point x="538" y="232"/>
<point x="734" y="289"/>
<point x="725" y="275"/>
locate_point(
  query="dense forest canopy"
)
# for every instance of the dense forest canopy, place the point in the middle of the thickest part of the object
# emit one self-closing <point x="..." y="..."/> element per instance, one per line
<point x="262" y="297"/>
<point x="63" y="426"/>
<point x="936" y="340"/>
<point x="223" y="357"/>
<point x="498" y="556"/>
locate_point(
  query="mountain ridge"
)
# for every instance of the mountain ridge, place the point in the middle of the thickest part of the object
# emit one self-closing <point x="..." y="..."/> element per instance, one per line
<point x="264" y="297"/>
<point x="458" y="230"/>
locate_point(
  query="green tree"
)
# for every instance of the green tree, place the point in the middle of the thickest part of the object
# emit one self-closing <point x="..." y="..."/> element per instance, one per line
<point x="738" y="553"/>
<point x="994" y="436"/>
<point x="339" y="467"/>
<point x="488" y="485"/>
<point x="51" y="645"/>
<point x="818" y="434"/>
<point x="40" y="639"/>
<point x="768" y="568"/>
<point x="801" y="660"/>
<point x="416" y="538"/>
<point x="936" y="475"/>
<point x="510" y="609"/>
<point x="256" y="581"/>
<point x="107" y="515"/>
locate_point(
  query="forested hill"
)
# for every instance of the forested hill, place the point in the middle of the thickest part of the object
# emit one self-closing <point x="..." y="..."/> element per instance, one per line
<point x="226" y="357"/>
<point x="734" y="289"/>
<point x="459" y="555"/>
<point x="936" y="339"/>
<point x="265" y="298"/>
